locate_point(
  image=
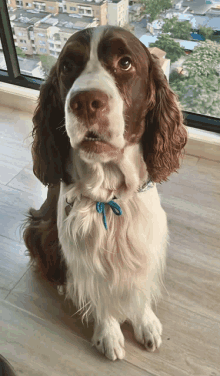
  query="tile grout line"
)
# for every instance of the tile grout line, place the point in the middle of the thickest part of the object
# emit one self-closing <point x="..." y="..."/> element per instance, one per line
<point x="28" y="268"/>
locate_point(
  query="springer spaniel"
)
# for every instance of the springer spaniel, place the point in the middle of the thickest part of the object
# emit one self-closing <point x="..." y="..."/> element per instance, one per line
<point x="106" y="129"/>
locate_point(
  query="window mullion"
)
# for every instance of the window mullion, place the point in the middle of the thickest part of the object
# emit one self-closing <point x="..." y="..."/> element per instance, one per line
<point x="8" y="42"/>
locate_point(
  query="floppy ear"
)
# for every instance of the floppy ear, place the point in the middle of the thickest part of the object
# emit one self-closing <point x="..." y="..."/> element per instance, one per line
<point x="51" y="144"/>
<point x="165" y="134"/>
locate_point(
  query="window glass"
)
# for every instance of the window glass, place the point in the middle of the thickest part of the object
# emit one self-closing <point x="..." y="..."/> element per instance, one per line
<point x="184" y="34"/>
<point x="189" y="34"/>
<point x="41" y="29"/>
<point x="3" y="65"/>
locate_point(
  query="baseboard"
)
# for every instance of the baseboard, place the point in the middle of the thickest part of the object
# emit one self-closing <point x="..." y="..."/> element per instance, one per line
<point x="203" y="144"/>
<point x="17" y="97"/>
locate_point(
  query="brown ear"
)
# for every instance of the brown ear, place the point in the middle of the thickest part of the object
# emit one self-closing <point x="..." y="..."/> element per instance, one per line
<point x="51" y="144"/>
<point x="165" y="134"/>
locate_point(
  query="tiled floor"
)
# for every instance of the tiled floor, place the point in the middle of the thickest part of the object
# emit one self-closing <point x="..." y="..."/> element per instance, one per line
<point x="40" y="335"/>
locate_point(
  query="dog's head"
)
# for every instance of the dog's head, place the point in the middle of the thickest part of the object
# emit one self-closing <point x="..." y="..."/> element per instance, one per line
<point x="111" y="93"/>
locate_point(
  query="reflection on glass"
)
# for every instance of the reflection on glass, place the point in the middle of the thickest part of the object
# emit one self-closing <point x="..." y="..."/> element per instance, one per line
<point x="3" y="65"/>
<point x="185" y="35"/>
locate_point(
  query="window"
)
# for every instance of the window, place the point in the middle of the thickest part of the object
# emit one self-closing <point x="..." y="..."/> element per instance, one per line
<point x="189" y="42"/>
<point x="188" y="39"/>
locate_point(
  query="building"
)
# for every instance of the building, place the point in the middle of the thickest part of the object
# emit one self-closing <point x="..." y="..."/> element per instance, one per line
<point x="86" y="8"/>
<point x="135" y="12"/>
<point x="45" y="34"/>
<point x="188" y="45"/>
<point x="164" y="63"/>
<point x="117" y="12"/>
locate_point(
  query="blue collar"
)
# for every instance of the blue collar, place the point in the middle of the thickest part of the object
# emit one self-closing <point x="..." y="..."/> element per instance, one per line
<point x="100" y="206"/>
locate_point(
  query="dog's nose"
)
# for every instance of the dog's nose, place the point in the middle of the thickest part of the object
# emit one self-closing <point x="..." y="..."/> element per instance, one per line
<point x="87" y="105"/>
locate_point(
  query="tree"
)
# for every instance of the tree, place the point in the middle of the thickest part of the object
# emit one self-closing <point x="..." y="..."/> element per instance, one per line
<point x="177" y="29"/>
<point x="207" y="32"/>
<point x="155" y="7"/>
<point x="20" y="52"/>
<point x="47" y="63"/>
<point x="172" y="48"/>
<point x="199" y="92"/>
<point x="204" y="59"/>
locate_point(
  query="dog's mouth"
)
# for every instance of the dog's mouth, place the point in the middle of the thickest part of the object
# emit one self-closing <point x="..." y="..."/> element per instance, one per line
<point x="94" y="143"/>
<point x="92" y="136"/>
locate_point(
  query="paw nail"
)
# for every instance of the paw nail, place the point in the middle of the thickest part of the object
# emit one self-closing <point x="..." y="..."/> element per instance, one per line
<point x="150" y="344"/>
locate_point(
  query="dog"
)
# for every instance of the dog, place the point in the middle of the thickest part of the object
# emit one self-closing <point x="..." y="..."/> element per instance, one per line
<point x="107" y="128"/>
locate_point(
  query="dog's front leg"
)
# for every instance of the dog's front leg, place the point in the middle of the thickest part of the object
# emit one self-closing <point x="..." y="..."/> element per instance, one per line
<point x="148" y="329"/>
<point x="108" y="339"/>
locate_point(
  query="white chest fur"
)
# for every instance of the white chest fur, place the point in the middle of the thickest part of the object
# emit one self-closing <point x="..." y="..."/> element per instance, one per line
<point x="109" y="271"/>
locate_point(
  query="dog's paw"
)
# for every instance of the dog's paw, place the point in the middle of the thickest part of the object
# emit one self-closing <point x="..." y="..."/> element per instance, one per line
<point x="149" y="332"/>
<point x="109" y="340"/>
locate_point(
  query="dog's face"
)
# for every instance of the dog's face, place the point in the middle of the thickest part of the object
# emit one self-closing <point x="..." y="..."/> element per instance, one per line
<point x="103" y="74"/>
<point x="111" y="93"/>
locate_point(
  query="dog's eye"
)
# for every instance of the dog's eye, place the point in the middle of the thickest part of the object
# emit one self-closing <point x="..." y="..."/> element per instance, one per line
<point x="125" y="63"/>
<point x="66" y="67"/>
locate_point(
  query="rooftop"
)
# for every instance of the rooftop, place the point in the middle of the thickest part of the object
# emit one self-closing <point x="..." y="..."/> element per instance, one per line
<point x="25" y="19"/>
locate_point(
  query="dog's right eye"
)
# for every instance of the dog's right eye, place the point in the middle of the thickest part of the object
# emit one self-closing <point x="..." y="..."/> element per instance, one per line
<point x="66" y="67"/>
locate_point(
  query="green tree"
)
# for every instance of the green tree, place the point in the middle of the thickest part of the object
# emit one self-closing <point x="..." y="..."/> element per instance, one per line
<point x="167" y="44"/>
<point x="207" y="32"/>
<point x="177" y="29"/>
<point x="47" y="63"/>
<point x="204" y="59"/>
<point x="200" y="90"/>
<point x="155" y="7"/>
<point x="20" y="52"/>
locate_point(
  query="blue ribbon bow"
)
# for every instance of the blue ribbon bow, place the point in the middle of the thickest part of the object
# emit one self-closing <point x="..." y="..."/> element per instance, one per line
<point x="100" y="207"/>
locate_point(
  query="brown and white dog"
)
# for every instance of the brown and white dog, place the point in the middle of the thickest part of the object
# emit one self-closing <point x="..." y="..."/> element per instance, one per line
<point x="106" y="129"/>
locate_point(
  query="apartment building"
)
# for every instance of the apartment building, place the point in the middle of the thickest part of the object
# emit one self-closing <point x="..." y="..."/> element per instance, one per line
<point x="86" y="8"/>
<point x="118" y="12"/>
<point x="43" y="27"/>
<point x="43" y="33"/>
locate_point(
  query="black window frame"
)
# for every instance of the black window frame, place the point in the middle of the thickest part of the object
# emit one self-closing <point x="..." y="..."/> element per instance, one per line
<point x="14" y="76"/>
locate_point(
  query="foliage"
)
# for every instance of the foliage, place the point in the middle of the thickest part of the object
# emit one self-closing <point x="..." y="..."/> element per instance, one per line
<point x="204" y="59"/>
<point x="207" y="32"/>
<point x="200" y="91"/>
<point x="20" y="52"/>
<point x="155" y="7"/>
<point x="174" y="76"/>
<point x="167" y="44"/>
<point x="47" y="63"/>
<point x="177" y="29"/>
<point x="200" y="96"/>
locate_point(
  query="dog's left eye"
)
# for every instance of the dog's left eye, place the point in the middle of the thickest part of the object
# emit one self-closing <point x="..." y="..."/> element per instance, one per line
<point x="125" y="63"/>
